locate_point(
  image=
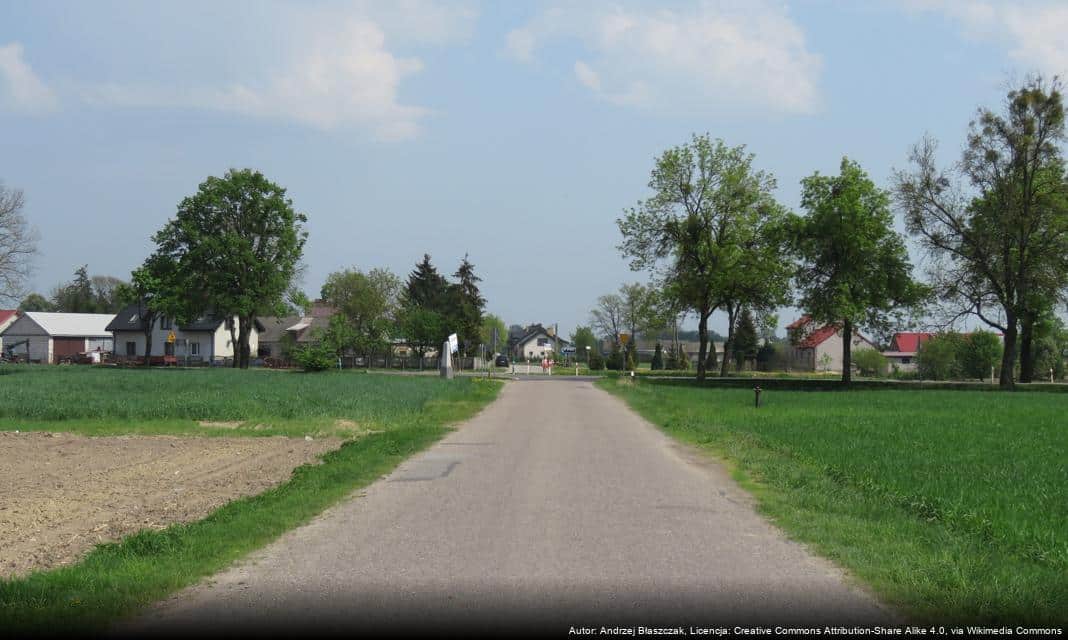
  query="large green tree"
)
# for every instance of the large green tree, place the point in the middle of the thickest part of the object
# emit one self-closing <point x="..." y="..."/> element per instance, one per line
<point x="997" y="222"/>
<point x="367" y="304"/>
<point x="424" y="300"/>
<point x="465" y="307"/>
<point x="494" y="334"/>
<point x="236" y="245"/>
<point x="703" y="230"/>
<point x="854" y="269"/>
<point x="154" y="287"/>
<point x="36" y="302"/>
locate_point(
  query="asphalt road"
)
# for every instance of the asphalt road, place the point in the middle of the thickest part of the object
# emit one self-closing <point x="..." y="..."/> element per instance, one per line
<point x="556" y="507"/>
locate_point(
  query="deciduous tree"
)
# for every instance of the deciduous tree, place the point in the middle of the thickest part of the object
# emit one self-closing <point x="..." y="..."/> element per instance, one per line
<point x="18" y="245"/>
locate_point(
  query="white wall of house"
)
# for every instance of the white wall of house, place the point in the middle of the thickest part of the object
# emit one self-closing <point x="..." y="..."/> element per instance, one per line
<point x="813" y="359"/>
<point x="531" y="348"/>
<point x="208" y="344"/>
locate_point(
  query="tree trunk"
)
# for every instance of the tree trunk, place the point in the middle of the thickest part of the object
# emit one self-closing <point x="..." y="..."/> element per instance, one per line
<point x="732" y="311"/>
<point x="1027" y="355"/>
<point x="1008" y="355"/>
<point x="847" y="352"/>
<point x="234" y="344"/>
<point x="148" y="342"/>
<point x="244" y="332"/>
<point x="702" y="337"/>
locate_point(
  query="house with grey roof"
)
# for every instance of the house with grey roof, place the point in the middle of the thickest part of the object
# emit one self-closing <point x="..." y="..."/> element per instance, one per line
<point x="203" y="340"/>
<point x="51" y="338"/>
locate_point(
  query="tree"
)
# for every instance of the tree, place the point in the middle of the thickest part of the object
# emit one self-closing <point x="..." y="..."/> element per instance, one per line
<point x="36" y="302"/>
<point x="996" y="226"/>
<point x="854" y="268"/>
<point x="426" y="288"/>
<point x="18" y="245"/>
<point x="744" y="346"/>
<point x="466" y="305"/>
<point x="658" y="359"/>
<point x="367" y="303"/>
<point x="608" y="317"/>
<point x="703" y="228"/>
<point x="494" y="334"/>
<point x="423" y="329"/>
<point x="236" y="245"/>
<point x="583" y="337"/>
<point x="77" y="295"/>
<point x="154" y="287"/>
<point x="978" y="353"/>
<point x="425" y="301"/>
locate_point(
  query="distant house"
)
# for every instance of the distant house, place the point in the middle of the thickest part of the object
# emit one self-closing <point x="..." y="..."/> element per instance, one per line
<point x="205" y="340"/>
<point x="7" y="317"/>
<point x="536" y="343"/>
<point x="646" y="348"/>
<point x="903" y="349"/>
<point x="814" y="347"/>
<point x="296" y="330"/>
<point x="44" y="337"/>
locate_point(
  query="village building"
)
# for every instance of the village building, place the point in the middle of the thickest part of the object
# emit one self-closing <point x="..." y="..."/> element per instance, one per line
<point x="819" y="348"/>
<point x="282" y="333"/>
<point x="903" y="349"/>
<point x="205" y="340"/>
<point x="7" y="318"/>
<point x="52" y="338"/>
<point x="537" y="343"/>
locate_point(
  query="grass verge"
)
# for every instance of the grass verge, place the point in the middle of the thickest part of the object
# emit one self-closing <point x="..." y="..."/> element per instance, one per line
<point x="116" y="579"/>
<point x="952" y="506"/>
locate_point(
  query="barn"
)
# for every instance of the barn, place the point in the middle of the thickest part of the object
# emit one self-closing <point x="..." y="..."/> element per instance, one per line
<point x="53" y="337"/>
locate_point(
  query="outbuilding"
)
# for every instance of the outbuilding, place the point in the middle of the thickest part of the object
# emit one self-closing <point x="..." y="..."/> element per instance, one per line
<point x="45" y="337"/>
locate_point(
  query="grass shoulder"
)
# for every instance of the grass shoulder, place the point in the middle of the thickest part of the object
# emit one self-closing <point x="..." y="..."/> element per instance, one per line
<point x="949" y="505"/>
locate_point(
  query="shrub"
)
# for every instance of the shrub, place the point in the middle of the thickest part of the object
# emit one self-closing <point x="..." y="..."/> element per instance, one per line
<point x="978" y="352"/>
<point x="596" y="360"/>
<point x="870" y="362"/>
<point x="316" y="357"/>
<point x="937" y="359"/>
<point x="632" y="357"/>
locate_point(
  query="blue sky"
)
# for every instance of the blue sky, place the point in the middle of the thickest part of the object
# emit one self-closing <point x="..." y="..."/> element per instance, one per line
<point x="513" y="132"/>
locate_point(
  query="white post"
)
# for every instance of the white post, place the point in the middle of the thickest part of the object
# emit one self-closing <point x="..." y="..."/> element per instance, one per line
<point x="1051" y="375"/>
<point x="991" y="375"/>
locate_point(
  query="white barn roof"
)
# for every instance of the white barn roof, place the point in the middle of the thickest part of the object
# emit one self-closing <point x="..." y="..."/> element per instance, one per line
<point x="73" y="325"/>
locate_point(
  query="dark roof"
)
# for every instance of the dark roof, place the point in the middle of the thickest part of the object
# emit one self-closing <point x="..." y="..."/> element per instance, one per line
<point x="131" y="318"/>
<point x="275" y="327"/>
<point x="534" y="330"/>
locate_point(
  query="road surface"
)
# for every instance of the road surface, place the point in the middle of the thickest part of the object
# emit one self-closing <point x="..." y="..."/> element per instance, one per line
<point x="556" y="507"/>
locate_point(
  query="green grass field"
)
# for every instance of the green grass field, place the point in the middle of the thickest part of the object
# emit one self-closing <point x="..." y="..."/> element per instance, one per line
<point x="407" y="414"/>
<point x="102" y="401"/>
<point x="952" y="505"/>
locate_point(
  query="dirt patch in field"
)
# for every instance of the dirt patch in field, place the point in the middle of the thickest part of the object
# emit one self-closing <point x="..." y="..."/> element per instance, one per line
<point x="225" y="424"/>
<point x="61" y="494"/>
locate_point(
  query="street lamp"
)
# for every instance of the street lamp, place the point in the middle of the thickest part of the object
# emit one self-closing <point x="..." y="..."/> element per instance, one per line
<point x="587" y="356"/>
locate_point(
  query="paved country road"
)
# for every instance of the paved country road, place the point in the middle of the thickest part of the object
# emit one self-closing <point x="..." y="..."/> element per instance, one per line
<point x="555" y="507"/>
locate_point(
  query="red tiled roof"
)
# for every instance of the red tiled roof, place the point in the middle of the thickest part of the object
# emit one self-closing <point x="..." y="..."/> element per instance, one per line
<point x="5" y="314"/>
<point x="818" y="336"/>
<point x="800" y="322"/>
<point x="909" y="341"/>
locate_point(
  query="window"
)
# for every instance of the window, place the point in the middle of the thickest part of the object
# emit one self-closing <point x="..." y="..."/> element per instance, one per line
<point x="165" y="323"/>
<point x="168" y="348"/>
<point x="131" y="348"/>
<point x="194" y="348"/>
<point x="906" y="360"/>
<point x="543" y="342"/>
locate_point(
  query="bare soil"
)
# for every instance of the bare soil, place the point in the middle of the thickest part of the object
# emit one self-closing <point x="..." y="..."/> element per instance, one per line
<point x="61" y="494"/>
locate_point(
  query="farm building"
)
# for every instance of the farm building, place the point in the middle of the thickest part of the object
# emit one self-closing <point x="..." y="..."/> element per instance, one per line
<point x="815" y="347"/>
<point x="7" y="317"/>
<point x="903" y="349"/>
<point x="203" y="341"/>
<point x="296" y="330"/>
<point x="44" y="337"/>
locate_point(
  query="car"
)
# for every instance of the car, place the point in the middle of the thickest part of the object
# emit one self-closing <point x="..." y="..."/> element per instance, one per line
<point x="501" y="361"/>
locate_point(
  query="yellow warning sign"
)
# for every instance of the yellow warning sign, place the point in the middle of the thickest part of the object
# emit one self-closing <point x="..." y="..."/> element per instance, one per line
<point x="170" y="337"/>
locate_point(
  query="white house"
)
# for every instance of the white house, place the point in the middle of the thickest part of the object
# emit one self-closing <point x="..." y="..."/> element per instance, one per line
<point x="44" y="337"/>
<point x="820" y="348"/>
<point x="536" y="343"/>
<point x="204" y="340"/>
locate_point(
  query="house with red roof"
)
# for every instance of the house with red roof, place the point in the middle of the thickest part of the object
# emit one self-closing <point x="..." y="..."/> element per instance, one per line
<point x="814" y="347"/>
<point x="903" y="348"/>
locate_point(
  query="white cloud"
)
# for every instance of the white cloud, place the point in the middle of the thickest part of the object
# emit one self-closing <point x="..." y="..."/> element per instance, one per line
<point x="1034" y="32"/>
<point x="20" y="88"/>
<point x="339" y="72"/>
<point x="703" y="58"/>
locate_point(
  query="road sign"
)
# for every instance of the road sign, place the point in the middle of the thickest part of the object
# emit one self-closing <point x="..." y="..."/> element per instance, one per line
<point x="454" y="343"/>
<point x="624" y="337"/>
<point x="170" y="337"/>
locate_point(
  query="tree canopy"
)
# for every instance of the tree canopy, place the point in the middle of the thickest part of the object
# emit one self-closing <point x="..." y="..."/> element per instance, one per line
<point x="18" y="245"/>
<point x="854" y="268"/>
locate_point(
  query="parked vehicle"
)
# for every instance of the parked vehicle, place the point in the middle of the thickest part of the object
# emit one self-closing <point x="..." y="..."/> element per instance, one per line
<point x="502" y="361"/>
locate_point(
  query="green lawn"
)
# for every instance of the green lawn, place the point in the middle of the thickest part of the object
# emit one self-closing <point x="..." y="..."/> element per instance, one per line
<point x="407" y="413"/>
<point x="952" y="505"/>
